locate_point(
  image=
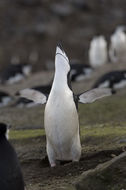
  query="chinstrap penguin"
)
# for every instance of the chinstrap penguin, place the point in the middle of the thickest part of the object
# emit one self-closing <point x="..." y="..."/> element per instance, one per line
<point x="10" y="173"/>
<point x="98" y="55"/>
<point x="117" y="49"/>
<point x="114" y="80"/>
<point x="61" y="117"/>
<point x="14" y="73"/>
<point x="79" y="71"/>
<point x="5" y="98"/>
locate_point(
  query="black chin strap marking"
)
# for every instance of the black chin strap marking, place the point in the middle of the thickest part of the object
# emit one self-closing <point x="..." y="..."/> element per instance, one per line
<point x="63" y="57"/>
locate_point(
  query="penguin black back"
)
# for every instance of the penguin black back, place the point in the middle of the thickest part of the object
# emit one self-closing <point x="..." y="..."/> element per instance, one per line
<point x="10" y="173"/>
<point x="79" y="71"/>
<point x="113" y="78"/>
<point x="3" y="130"/>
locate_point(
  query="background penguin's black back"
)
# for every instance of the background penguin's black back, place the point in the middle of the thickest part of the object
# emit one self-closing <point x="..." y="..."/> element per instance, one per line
<point x="10" y="173"/>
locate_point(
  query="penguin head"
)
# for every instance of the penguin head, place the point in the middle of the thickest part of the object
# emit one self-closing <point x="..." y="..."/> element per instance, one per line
<point x="99" y="41"/>
<point x="4" y="130"/>
<point x="121" y="28"/>
<point x="118" y="38"/>
<point x="61" y="60"/>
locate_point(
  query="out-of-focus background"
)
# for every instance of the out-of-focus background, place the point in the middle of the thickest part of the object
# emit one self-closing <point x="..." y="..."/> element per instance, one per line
<point x="36" y="26"/>
<point x="93" y="35"/>
<point x="31" y="29"/>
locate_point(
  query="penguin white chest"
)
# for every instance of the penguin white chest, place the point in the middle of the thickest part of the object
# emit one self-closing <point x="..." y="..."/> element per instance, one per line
<point x="61" y="114"/>
<point x="62" y="125"/>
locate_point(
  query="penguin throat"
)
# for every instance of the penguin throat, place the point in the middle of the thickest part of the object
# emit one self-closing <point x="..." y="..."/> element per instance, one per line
<point x="61" y="80"/>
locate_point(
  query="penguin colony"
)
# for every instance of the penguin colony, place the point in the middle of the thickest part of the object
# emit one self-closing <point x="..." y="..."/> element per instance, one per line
<point x="117" y="53"/>
<point x="98" y="56"/>
<point x="61" y="117"/>
<point x="98" y="53"/>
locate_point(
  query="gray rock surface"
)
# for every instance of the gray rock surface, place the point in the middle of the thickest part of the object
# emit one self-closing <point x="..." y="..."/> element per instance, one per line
<point x="105" y="176"/>
<point x="110" y="175"/>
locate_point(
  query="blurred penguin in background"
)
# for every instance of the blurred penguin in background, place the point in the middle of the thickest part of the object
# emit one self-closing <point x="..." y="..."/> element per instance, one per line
<point x="79" y="71"/>
<point x="98" y="52"/>
<point x="113" y="79"/>
<point x="117" y="49"/>
<point x="5" y="98"/>
<point x="10" y="173"/>
<point x="15" y="71"/>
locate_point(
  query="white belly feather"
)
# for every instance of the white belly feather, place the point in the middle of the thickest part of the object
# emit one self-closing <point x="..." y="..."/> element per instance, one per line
<point x="61" y="124"/>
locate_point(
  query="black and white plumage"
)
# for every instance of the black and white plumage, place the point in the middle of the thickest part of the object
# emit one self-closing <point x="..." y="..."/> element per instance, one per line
<point x="61" y="116"/>
<point x="121" y="28"/>
<point x="113" y="80"/>
<point x="5" y="98"/>
<point x="10" y="173"/>
<point x="117" y="49"/>
<point x="98" y="55"/>
<point x="21" y="102"/>
<point x="80" y="71"/>
<point x="14" y="73"/>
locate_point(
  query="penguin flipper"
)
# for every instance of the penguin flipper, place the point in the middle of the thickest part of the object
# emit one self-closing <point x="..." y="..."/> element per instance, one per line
<point x="33" y="95"/>
<point x="94" y="94"/>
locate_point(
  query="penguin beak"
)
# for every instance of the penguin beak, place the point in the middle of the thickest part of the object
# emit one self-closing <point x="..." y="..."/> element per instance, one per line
<point x="60" y="51"/>
<point x="60" y="47"/>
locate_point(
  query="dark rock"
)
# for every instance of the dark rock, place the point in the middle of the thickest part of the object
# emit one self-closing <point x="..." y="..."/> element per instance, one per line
<point x="105" y="176"/>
